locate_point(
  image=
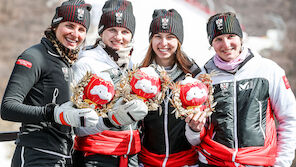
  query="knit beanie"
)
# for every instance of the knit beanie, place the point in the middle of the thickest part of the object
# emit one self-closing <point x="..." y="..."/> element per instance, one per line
<point x="74" y="11"/>
<point x="117" y="13"/>
<point x="223" y="23"/>
<point x="169" y="21"/>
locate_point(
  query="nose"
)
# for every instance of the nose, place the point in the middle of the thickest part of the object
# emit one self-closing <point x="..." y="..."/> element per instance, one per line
<point x="226" y="42"/>
<point x="163" y="41"/>
<point x="75" y="32"/>
<point x="118" y="36"/>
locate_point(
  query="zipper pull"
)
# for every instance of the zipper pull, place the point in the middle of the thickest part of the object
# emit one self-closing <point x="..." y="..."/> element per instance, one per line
<point x="55" y="95"/>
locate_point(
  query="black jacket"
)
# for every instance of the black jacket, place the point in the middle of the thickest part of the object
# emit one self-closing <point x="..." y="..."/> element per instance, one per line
<point x="38" y="73"/>
<point x="165" y="131"/>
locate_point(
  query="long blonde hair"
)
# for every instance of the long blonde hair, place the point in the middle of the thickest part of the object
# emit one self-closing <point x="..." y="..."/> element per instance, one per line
<point x="181" y="59"/>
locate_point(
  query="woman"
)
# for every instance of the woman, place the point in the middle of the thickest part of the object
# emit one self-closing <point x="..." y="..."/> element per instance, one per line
<point x="110" y="143"/>
<point x="39" y="83"/>
<point x="249" y="90"/>
<point x="163" y="140"/>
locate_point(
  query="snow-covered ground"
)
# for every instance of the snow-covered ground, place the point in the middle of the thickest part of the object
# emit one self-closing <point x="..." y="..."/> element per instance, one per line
<point x="5" y="153"/>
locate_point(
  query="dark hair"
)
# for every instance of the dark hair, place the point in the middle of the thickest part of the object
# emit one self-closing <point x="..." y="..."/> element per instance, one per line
<point x="181" y="59"/>
<point x="96" y="43"/>
<point x="70" y="55"/>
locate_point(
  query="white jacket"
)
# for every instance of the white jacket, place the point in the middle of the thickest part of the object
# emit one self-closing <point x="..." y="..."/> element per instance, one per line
<point x="95" y="60"/>
<point x="281" y="97"/>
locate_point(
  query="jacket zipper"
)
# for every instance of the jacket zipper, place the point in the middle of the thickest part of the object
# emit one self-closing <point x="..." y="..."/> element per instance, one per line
<point x="130" y="142"/>
<point x="235" y="121"/>
<point x="166" y="105"/>
<point x="260" y="121"/>
<point x="55" y="95"/>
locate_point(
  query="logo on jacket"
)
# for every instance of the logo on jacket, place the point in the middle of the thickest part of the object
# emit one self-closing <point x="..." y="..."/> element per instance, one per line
<point x="65" y="71"/>
<point x="286" y="82"/>
<point x="23" y="62"/>
<point x="245" y="86"/>
<point x="224" y="86"/>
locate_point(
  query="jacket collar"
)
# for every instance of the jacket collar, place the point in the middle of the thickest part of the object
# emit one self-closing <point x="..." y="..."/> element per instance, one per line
<point x="51" y="50"/>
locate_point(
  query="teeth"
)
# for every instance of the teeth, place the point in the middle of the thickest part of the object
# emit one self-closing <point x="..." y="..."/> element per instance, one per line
<point x="116" y="43"/>
<point x="228" y="50"/>
<point x="163" y="50"/>
<point x="72" y="41"/>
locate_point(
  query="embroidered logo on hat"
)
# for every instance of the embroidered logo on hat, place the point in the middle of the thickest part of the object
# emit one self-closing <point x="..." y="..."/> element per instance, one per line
<point x="165" y="23"/>
<point x="80" y="14"/>
<point x="101" y="28"/>
<point x="219" y="24"/>
<point x="57" y="19"/>
<point x="118" y="16"/>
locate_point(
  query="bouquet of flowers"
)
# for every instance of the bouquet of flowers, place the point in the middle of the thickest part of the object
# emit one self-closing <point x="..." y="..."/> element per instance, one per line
<point x="94" y="91"/>
<point x="191" y="96"/>
<point x="144" y="83"/>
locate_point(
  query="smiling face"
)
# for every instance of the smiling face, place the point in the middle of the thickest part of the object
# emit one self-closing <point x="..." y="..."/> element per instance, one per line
<point x="164" y="45"/>
<point x="227" y="46"/>
<point x="70" y="34"/>
<point x="116" y="37"/>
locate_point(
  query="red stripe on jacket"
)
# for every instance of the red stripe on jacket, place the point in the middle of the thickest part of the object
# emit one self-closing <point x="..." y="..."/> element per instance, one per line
<point x="220" y="155"/>
<point x="109" y="143"/>
<point x="183" y="158"/>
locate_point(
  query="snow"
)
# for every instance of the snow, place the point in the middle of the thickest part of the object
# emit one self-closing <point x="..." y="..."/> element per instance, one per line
<point x="5" y="153"/>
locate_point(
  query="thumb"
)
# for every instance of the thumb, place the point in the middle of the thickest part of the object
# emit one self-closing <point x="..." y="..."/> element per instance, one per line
<point x="84" y="111"/>
<point x="69" y="103"/>
<point x="119" y="103"/>
<point x="188" y="118"/>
